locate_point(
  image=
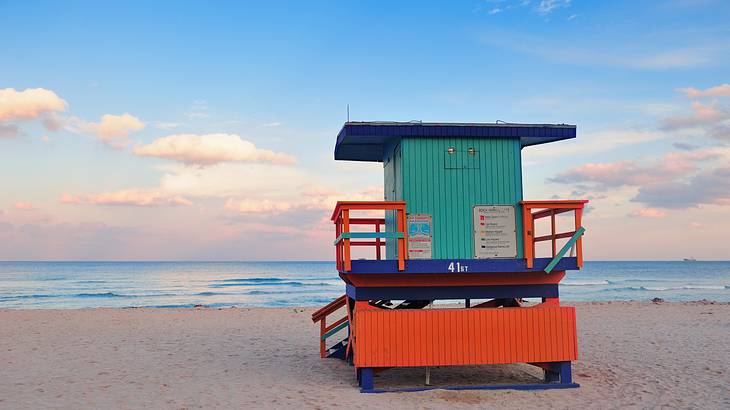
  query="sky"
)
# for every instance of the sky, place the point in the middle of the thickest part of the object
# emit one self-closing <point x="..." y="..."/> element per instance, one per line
<point x="205" y="131"/>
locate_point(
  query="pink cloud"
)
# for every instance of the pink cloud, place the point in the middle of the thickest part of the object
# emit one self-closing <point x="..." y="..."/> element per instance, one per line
<point x="250" y="206"/>
<point x="210" y="149"/>
<point x="722" y="90"/>
<point x="25" y="206"/>
<point x="112" y="130"/>
<point x="311" y="200"/>
<point x="128" y="197"/>
<point x="629" y="173"/>
<point x="648" y="213"/>
<point x="703" y="114"/>
<point x="28" y="104"/>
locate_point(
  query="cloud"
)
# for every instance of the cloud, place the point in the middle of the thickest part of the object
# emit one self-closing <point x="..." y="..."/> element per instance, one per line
<point x="648" y="213"/>
<point x="210" y="149"/>
<point x="616" y="174"/>
<point x="683" y="179"/>
<point x="722" y="90"/>
<point x="127" y="197"/>
<point x="703" y="114"/>
<point x="250" y="206"/>
<point x="710" y="119"/>
<point x="24" y="206"/>
<point x="548" y="6"/>
<point x="271" y="124"/>
<point x="708" y="187"/>
<point x="167" y="125"/>
<point x="315" y="199"/>
<point x="112" y="130"/>
<point x="684" y="146"/>
<point x="28" y="104"/>
<point x="9" y="130"/>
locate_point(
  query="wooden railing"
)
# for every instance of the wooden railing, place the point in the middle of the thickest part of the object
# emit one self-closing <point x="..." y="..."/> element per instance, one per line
<point x="345" y="238"/>
<point x="325" y="330"/>
<point x="533" y="210"/>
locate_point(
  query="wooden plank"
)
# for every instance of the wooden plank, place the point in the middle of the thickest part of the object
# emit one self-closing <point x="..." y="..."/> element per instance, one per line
<point x="565" y="248"/>
<point x="369" y="235"/>
<point x="335" y="329"/>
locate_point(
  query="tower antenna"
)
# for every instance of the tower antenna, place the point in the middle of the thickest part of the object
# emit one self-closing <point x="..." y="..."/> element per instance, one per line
<point x="348" y="112"/>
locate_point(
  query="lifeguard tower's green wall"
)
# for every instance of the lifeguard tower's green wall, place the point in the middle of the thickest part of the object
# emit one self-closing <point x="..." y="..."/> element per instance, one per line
<point x="447" y="186"/>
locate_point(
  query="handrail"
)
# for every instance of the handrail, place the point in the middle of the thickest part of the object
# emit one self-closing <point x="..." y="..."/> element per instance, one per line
<point x="551" y="208"/>
<point x="368" y="235"/>
<point x="326" y="331"/>
<point x="329" y="308"/>
<point x="343" y="234"/>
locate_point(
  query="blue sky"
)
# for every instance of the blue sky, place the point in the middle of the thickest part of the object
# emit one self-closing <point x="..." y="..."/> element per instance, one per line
<point x="279" y="76"/>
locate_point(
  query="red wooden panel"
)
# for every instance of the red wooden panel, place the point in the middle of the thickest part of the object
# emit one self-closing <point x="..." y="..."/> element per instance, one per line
<point x="439" y="337"/>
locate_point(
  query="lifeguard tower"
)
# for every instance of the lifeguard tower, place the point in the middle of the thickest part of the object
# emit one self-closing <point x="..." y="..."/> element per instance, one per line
<point x="455" y="227"/>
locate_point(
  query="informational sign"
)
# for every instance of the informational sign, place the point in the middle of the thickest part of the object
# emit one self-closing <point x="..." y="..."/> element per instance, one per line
<point x="419" y="236"/>
<point x="494" y="231"/>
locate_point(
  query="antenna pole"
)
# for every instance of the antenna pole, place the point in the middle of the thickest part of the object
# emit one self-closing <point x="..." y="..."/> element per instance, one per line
<point x="348" y="112"/>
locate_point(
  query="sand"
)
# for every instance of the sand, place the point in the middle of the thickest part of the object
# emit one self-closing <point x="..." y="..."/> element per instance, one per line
<point x="632" y="355"/>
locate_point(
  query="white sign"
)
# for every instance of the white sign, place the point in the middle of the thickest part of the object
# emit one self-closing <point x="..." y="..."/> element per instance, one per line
<point x="419" y="236"/>
<point x="494" y="232"/>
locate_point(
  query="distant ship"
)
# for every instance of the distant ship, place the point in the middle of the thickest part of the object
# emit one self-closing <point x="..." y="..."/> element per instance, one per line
<point x="689" y="260"/>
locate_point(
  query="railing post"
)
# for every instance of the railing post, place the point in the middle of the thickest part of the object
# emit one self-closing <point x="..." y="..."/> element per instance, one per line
<point x="528" y="234"/>
<point x="400" y="216"/>
<point x="552" y="226"/>
<point x="579" y="242"/>
<point x="338" y="247"/>
<point x="377" y="241"/>
<point x="346" y="242"/>
<point x="322" y="330"/>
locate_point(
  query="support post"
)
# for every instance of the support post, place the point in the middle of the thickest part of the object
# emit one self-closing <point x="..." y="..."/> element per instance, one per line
<point x="366" y="378"/>
<point x="566" y="375"/>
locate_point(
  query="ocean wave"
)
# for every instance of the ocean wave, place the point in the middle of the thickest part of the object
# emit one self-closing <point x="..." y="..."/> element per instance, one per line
<point x="289" y="283"/>
<point x="100" y="295"/>
<point x="257" y="280"/>
<point x="21" y="297"/>
<point x="667" y="288"/>
<point x="586" y="283"/>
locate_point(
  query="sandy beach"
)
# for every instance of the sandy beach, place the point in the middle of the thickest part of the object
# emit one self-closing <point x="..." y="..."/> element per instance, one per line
<point x="632" y="355"/>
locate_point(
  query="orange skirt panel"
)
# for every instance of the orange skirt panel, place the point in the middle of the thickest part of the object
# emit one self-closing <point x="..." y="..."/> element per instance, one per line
<point x="441" y="337"/>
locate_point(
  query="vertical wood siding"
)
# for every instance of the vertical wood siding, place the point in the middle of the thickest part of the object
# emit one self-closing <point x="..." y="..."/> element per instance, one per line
<point x="439" y="337"/>
<point x="448" y="187"/>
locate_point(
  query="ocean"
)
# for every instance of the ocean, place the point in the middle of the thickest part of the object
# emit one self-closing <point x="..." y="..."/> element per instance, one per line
<point x="70" y="285"/>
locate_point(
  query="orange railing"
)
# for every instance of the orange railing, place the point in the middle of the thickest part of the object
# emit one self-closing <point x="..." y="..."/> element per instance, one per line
<point x="345" y="238"/>
<point x="325" y="330"/>
<point x="532" y="210"/>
